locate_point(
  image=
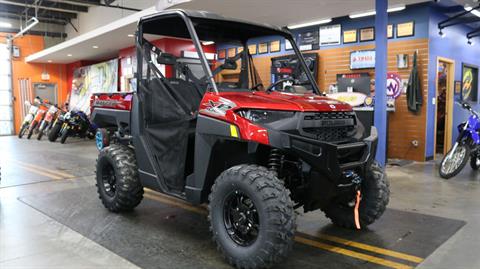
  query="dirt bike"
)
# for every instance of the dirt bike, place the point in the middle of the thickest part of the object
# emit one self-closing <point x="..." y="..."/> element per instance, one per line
<point x="32" y="111"/>
<point x="76" y="123"/>
<point x="465" y="146"/>
<point x="42" y="110"/>
<point x="47" y="121"/>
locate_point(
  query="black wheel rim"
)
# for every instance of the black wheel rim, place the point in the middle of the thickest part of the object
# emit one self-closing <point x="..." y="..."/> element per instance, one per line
<point x="109" y="180"/>
<point x="241" y="218"/>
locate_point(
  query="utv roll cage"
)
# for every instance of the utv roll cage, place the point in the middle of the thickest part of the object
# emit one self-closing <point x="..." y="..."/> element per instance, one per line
<point x="203" y="26"/>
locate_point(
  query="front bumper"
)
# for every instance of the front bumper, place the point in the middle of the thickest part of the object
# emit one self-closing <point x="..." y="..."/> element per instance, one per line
<point x="330" y="160"/>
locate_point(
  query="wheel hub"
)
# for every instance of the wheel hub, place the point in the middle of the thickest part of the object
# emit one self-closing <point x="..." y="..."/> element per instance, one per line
<point x="241" y="218"/>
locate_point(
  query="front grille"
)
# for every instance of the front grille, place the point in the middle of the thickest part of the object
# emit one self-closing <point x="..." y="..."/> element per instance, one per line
<point x="334" y="127"/>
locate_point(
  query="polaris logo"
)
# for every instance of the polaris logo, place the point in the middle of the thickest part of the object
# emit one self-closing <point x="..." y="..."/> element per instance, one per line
<point x="333" y="106"/>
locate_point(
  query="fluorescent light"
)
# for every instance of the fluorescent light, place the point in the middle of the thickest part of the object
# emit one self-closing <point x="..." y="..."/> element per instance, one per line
<point x="372" y="12"/>
<point x="130" y="35"/>
<point x="474" y="12"/>
<point x="206" y="43"/>
<point x="69" y="55"/>
<point x="5" y="24"/>
<point x="95" y="47"/>
<point x="49" y="61"/>
<point x="364" y="14"/>
<point x="306" y="24"/>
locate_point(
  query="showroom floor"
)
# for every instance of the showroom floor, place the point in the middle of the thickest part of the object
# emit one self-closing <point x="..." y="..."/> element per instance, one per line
<point x="50" y="217"/>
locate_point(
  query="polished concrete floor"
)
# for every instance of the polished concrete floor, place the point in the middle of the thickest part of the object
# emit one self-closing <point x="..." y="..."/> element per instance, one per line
<point x="36" y="173"/>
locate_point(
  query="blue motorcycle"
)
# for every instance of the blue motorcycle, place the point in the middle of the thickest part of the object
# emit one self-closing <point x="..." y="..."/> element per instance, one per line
<point x="76" y="123"/>
<point x="465" y="147"/>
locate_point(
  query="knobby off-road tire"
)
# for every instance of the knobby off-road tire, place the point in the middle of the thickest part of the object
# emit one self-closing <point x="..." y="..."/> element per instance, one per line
<point x="22" y="130"/>
<point x="276" y="216"/>
<point x="375" y="197"/>
<point x="53" y="133"/>
<point x="118" y="164"/>
<point x="41" y="130"/>
<point x="32" y="129"/>
<point x="64" y="136"/>
<point x="464" y="161"/>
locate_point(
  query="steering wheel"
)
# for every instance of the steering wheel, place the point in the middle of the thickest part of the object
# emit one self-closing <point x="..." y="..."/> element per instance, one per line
<point x="276" y="83"/>
<point x="255" y="88"/>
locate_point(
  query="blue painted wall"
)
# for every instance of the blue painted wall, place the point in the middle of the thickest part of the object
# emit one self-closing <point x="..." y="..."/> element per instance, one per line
<point x="453" y="46"/>
<point x="418" y="13"/>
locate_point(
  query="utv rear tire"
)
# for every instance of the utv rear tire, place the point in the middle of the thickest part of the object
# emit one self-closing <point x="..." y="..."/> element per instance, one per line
<point x="273" y="210"/>
<point x="53" y="133"/>
<point x="125" y="192"/>
<point x="375" y="197"/>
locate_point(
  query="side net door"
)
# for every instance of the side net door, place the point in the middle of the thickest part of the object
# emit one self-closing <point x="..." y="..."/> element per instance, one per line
<point x="169" y="114"/>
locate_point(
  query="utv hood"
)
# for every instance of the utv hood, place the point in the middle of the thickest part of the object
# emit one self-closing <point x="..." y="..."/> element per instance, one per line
<point x="285" y="101"/>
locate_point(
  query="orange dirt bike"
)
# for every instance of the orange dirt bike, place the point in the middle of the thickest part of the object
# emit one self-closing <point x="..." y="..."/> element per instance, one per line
<point x="32" y="111"/>
<point x="47" y="122"/>
<point x="42" y="110"/>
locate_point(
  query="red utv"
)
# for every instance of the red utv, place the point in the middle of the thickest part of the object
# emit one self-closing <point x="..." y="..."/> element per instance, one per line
<point x="212" y="132"/>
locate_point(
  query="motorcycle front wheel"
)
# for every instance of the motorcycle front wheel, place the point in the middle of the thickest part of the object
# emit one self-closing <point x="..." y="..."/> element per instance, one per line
<point x="33" y="126"/>
<point x="64" y="136"/>
<point x="454" y="161"/>
<point x="22" y="130"/>
<point x="41" y="130"/>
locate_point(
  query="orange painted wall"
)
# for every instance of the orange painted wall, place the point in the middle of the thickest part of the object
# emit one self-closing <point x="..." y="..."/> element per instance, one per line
<point x="30" y="44"/>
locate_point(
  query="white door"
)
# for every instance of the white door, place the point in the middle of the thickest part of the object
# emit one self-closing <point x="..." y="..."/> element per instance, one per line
<point x="6" y="104"/>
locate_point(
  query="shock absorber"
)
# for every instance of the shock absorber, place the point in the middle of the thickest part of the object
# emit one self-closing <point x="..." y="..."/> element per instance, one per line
<point x="274" y="160"/>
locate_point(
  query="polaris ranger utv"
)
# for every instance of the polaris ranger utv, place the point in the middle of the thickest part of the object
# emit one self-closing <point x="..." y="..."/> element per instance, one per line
<point x="212" y="132"/>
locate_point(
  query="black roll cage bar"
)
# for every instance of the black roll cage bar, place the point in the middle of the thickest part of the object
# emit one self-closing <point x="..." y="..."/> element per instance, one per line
<point x="198" y="46"/>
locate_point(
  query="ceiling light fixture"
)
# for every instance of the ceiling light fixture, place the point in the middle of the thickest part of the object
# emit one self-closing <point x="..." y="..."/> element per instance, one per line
<point x="473" y="11"/>
<point x="372" y="12"/>
<point x="130" y="35"/>
<point x="206" y="43"/>
<point x="69" y="55"/>
<point x="49" y="61"/>
<point x="95" y="47"/>
<point x="4" y="24"/>
<point x="306" y="24"/>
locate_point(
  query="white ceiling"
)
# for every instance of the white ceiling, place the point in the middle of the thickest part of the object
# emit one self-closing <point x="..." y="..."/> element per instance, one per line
<point x="113" y="37"/>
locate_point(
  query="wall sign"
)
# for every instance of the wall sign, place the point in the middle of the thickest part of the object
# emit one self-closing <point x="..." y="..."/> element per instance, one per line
<point x="390" y="31"/>
<point x="239" y="49"/>
<point x="402" y="61"/>
<point x="221" y="54"/>
<point x="231" y="52"/>
<point x="458" y="86"/>
<point x="405" y="29"/>
<point x="350" y="36"/>
<point x="394" y="85"/>
<point x="275" y="46"/>
<point x="469" y="83"/>
<point x="330" y="35"/>
<point x="367" y="34"/>
<point x="263" y="48"/>
<point x="252" y="49"/>
<point x="362" y="59"/>
<point x="308" y="40"/>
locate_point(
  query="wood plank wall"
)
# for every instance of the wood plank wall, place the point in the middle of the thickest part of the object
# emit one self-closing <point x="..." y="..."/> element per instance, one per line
<point x="404" y="126"/>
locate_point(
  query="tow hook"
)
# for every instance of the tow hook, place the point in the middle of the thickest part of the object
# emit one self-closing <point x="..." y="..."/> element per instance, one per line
<point x="353" y="179"/>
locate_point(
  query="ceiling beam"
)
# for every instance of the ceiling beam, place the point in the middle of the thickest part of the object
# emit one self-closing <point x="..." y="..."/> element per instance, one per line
<point x="48" y="5"/>
<point x="41" y="12"/>
<point x="81" y="2"/>
<point x="32" y="32"/>
<point x="15" y="16"/>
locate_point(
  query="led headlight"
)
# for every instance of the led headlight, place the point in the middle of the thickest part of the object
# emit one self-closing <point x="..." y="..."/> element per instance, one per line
<point x="264" y="116"/>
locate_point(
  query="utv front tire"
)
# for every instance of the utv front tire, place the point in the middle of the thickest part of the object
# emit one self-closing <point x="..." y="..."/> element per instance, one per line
<point x="375" y="197"/>
<point x="266" y="206"/>
<point x="118" y="185"/>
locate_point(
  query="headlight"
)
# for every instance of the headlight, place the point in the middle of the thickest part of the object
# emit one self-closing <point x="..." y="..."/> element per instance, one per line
<point x="265" y="116"/>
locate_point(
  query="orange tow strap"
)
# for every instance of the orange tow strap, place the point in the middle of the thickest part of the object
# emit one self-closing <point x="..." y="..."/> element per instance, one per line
<point x="357" y="204"/>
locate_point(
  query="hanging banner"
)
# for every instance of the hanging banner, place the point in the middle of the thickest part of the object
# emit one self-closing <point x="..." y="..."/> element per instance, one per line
<point x="101" y="77"/>
<point x="394" y="85"/>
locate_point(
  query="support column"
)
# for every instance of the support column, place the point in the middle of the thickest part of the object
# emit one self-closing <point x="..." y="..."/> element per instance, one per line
<point x="381" y="42"/>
